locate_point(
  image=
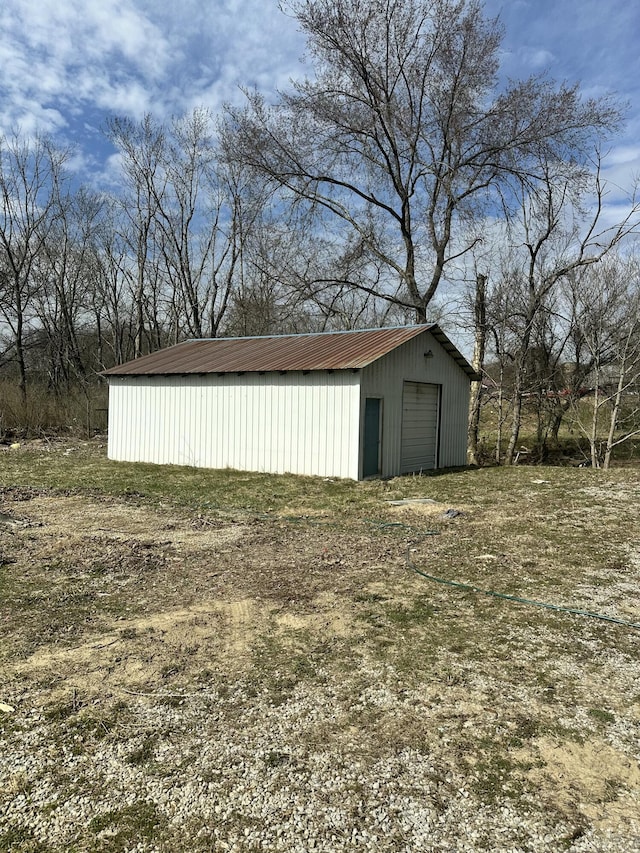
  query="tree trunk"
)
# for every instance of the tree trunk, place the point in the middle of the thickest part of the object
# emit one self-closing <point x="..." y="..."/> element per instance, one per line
<point x="500" y="416"/>
<point x="515" y="427"/>
<point x="617" y="401"/>
<point x="479" y="347"/>
<point x="593" y="438"/>
<point x="22" y="367"/>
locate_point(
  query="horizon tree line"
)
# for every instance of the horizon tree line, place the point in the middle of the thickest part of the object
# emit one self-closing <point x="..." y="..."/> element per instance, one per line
<point x="401" y="167"/>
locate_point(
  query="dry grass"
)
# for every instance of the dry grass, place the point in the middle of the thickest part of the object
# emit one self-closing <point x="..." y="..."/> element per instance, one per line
<point x="80" y="412"/>
<point x="152" y="615"/>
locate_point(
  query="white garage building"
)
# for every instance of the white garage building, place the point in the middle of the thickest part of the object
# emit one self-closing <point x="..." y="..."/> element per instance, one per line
<point x="378" y="402"/>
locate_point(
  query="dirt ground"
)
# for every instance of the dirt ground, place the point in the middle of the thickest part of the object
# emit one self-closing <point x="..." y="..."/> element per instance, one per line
<point x="207" y="587"/>
<point x="135" y="636"/>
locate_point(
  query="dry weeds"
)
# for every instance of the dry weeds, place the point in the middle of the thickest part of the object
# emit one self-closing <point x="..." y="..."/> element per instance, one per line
<point x="185" y="681"/>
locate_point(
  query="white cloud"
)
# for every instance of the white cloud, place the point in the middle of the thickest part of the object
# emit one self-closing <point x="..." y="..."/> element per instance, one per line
<point x="135" y="56"/>
<point x="536" y="58"/>
<point x="62" y="56"/>
<point x="68" y="63"/>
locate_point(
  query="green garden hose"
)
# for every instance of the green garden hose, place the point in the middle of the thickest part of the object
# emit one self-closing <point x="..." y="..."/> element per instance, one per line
<point x="469" y="588"/>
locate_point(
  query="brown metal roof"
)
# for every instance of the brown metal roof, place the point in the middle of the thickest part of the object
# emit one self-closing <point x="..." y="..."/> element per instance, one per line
<point x="321" y="351"/>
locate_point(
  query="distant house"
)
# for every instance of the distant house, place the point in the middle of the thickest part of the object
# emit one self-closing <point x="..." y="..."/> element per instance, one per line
<point x="377" y="402"/>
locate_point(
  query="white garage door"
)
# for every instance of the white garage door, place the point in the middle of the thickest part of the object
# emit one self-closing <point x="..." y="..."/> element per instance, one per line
<point x="419" y="426"/>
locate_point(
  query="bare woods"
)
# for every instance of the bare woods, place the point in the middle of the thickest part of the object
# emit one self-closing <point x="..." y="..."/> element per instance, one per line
<point x="398" y="179"/>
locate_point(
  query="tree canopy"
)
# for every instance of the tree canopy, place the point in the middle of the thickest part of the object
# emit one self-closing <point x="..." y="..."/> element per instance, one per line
<point x="405" y="136"/>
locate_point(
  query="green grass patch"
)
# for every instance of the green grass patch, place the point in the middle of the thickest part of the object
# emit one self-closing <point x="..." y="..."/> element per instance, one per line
<point x="22" y="838"/>
<point x="140" y="821"/>
<point x="601" y="715"/>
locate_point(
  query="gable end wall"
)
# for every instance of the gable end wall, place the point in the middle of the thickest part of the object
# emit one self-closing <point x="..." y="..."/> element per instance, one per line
<point x="384" y="378"/>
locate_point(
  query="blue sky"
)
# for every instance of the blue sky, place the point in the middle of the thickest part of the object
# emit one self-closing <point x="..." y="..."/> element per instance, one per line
<point x="585" y="41"/>
<point x="67" y="64"/>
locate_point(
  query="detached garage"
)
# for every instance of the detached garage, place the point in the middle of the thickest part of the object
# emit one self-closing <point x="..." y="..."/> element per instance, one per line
<point x="378" y="402"/>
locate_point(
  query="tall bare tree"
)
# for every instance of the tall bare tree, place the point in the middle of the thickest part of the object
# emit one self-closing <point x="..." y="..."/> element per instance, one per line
<point x="31" y="179"/>
<point x="141" y="147"/>
<point x="403" y="131"/>
<point x="66" y="272"/>
<point x="477" y="362"/>
<point x="191" y="211"/>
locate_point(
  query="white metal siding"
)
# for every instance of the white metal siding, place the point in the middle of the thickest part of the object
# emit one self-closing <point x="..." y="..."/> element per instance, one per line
<point x="303" y="424"/>
<point x="419" y="427"/>
<point x="384" y="378"/>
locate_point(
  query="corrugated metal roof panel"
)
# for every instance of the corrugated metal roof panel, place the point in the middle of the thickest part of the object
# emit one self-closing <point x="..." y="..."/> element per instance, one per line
<point x="280" y="353"/>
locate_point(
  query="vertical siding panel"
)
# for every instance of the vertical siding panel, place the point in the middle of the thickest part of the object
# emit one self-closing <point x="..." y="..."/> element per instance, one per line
<point x="311" y="433"/>
<point x="195" y="419"/>
<point x="247" y="415"/>
<point x="168" y="423"/>
<point x="225" y="440"/>
<point x="265" y="427"/>
<point x="147" y="428"/>
<point x="147" y="425"/>
<point x="213" y="434"/>
<point x="201" y="391"/>
<point x="261" y="448"/>
<point x="228" y="413"/>
<point x="326" y="405"/>
<point x="303" y="424"/>
<point x="302" y="402"/>
<point x="283" y="435"/>
<point x="116" y="418"/>
<point x="335" y="455"/>
<point x="139" y="426"/>
<point x="231" y="437"/>
<point x="304" y="395"/>
<point x="240" y="409"/>
<point x="298" y="402"/>
<point x="114" y="429"/>
<point x="266" y="461"/>
<point x="164" y="422"/>
<point x="205" y="422"/>
<point x="216" y="415"/>
<point x="254" y="437"/>
<point x="243" y="413"/>
<point x="172" y="426"/>
<point x="213" y="431"/>
<point x="324" y="439"/>
<point x="354" y="431"/>
<point x="184" y="437"/>
<point x="292" y="426"/>
<point x="277" y="454"/>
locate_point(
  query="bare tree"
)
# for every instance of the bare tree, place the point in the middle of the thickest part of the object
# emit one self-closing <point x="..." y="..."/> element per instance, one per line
<point x="65" y="271"/>
<point x="31" y="177"/>
<point x="402" y="133"/>
<point x="191" y="209"/>
<point x="111" y="305"/>
<point x="142" y="148"/>
<point x="554" y="234"/>
<point x="477" y="362"/>
<point x="607" y="312"/>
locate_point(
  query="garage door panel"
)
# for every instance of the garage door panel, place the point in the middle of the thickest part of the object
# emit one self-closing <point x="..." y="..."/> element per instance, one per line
<point x="420" y="405"/>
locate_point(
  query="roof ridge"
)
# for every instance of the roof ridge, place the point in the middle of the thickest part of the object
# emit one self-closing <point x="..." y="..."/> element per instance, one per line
<point x="312" y="334"/>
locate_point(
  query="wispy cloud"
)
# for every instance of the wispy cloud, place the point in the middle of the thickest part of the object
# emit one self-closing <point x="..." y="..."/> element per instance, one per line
<point x="67" y="55"/>
<point x="66" y="64"/>
<point x="133" y="56"/>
